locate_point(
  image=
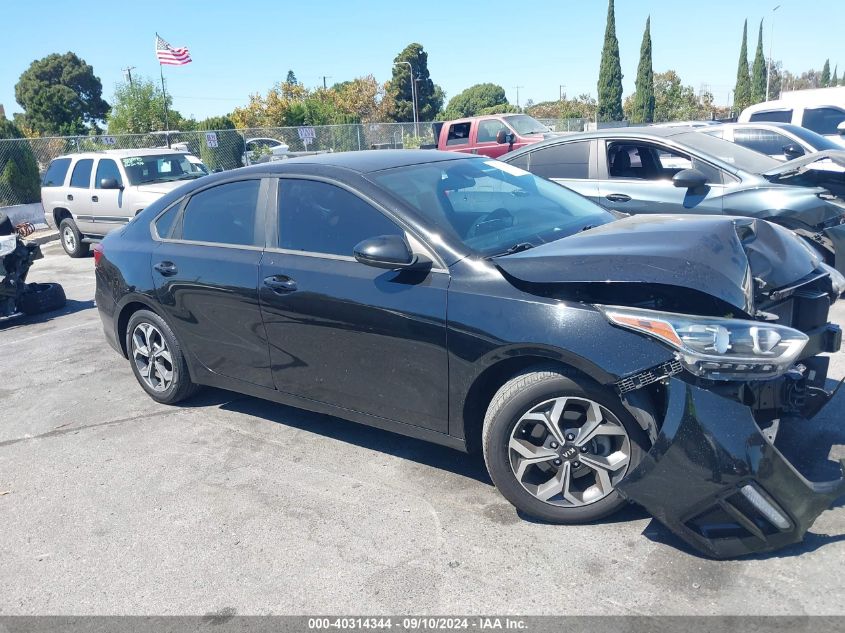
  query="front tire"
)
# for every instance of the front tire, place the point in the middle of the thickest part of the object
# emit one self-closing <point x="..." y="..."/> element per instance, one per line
<point x="72" y="239"/>
<point x="557" y="445"/>
<point x="157" y="359"/>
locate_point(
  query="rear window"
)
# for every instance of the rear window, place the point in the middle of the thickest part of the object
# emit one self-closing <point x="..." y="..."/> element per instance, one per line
<point x="780" y="116"/>
<point x="56" y="172"/>
<point x="458" y="134"/>
<point x="81" y="176"/>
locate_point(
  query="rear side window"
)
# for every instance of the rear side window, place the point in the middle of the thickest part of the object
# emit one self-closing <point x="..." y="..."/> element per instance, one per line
<point x="317" y="217"/>
<point x="81" y="176"/>
<point x="823" y="120"/>
<point x="458" y="134"/>
<point x="164" y="224"/>
<point x="107" y="168"/>
<point x="780" y="116"/>
<point x="567" y="160"/>
<point x="56" y="172"/>
<point x="225" y="214"/>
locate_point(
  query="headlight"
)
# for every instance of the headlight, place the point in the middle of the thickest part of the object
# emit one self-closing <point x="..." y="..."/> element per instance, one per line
<point x="721" y="349"/>
<point x="836" y="278"/>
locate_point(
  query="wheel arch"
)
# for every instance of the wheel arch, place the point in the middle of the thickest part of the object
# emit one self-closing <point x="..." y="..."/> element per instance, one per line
<point x="125" y="312"/>
<point x="59" y="214"/>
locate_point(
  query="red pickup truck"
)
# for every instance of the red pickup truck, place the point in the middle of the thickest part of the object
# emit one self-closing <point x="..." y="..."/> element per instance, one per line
<point x="491" y="135"/>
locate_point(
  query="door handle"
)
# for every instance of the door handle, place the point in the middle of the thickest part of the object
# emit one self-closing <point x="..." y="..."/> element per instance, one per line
<point x="69" y="196"/>
<point x="280" y="284"/>
<point x="94" y="199"/>
<point x="618" y="197"/>
<point x="166" y="269"/>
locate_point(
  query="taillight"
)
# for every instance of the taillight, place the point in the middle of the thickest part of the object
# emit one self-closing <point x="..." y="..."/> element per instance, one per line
<point x="98" y="253"/>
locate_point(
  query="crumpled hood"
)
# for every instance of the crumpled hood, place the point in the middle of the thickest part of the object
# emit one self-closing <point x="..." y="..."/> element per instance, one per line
<point x="832" y="160"/>
<point x="710" y="254"/>
<point x="160" y="188"/>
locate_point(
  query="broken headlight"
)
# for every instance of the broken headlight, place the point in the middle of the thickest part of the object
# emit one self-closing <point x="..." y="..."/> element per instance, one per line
<point x="837" y="280"/>
<point x="711" y="347"/>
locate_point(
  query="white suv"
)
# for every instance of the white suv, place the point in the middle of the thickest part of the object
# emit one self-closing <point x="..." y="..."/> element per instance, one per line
<point x="86" y="195"/>
<point x="821" y="110"/>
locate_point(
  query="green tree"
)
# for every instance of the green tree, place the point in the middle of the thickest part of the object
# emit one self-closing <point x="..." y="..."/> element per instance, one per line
<point x="610" y="73"/>
<point x="138" y="108"/>
<point x="642" y="110"/>
<point x="834" y="81"/>
<point x="398" y="90"/>
<point x="230" y="144"/>
<point x="742" y="90"/>
<point x="674" y="101"/>
<point x="291" y="78"/>
<point x="826" y="74"/>
<point x="19" y="181"/>
<point x="758" y="71"/>
<point x="475" y="99"/>
<point x="60" y="95"/>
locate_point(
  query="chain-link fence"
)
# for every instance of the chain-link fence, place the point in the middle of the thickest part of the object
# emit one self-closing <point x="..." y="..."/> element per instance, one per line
<point x="24" y="161"/>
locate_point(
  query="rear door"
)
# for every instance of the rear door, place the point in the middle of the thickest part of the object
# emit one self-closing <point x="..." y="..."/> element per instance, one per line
<point x="457" y="137"/>
<point x="108" y="207"/>
<point x="205" y="271"/>
<point x="78" y="196"/>
<point x="569" y="164"/>
<point x="636" y="177"/>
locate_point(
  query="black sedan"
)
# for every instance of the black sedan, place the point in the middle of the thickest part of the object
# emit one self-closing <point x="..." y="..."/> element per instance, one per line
<point x="466" y="302"/>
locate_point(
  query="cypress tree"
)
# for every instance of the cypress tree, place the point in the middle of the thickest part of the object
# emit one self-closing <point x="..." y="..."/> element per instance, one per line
<point x="758" y="71"/>
<point x="742" y="90"/>
<point x="610" y="73"/>
<point x="826" y="74"/>
<point x="643" y="108"/>
<point x="834" y="81"/>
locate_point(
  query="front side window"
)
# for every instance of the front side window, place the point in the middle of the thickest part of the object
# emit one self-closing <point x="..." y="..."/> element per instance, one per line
<point x="488" y="205"/>
<point x="778" y="116"/>
<point x="764" y="141"/>
<point x="566" y="160"/>
<point x="106" y="169"/>
<point x="81" y="176"/>
<point x="488" y="129"/>
<point x="56" y="172"/>
<point x="318" y="217"/>
<point x="225" y="214"/>
<point x="141" y="170"/>
<point x="458" y="134"/>
<point x="641" y="161"/>
<point x="823" y="120"/>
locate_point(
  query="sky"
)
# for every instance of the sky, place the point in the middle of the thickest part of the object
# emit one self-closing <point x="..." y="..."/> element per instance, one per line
<point x="242" y="48"/>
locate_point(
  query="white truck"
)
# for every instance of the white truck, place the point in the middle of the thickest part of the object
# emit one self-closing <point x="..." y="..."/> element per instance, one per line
<point x="821" y="110"/>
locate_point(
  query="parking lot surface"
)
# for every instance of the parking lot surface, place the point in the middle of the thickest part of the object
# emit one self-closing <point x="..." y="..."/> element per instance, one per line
<point x="113" y="504"/>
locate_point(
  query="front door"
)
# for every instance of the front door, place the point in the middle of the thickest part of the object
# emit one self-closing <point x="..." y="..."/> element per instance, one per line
<point x="485" y="138"/>
<point x="344" y="333"/>
<point x="636" y="177"/>
<point x="206" y="278"/>
<point x="108" y="208"/>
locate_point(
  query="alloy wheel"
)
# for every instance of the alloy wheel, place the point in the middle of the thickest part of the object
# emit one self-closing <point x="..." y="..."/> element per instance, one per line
<point x="152" y="357"/>
<point x="69" y="239"/>
<point x="569" y="451"/>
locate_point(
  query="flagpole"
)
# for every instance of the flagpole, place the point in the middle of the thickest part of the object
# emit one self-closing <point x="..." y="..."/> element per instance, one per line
<point x="164" y="97"/>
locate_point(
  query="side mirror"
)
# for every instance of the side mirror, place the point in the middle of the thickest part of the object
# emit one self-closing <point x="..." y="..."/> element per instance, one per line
<point x="386" y="251"/>
<point x="792" y="150"/>
<point x="503" y="136"/>
<point x="689" y="179"/>
<point x="841" y="128"/>
<point x="110" y="183"/>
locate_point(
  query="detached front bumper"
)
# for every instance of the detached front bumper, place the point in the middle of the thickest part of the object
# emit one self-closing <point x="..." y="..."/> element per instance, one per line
<point x="715" y="480"/>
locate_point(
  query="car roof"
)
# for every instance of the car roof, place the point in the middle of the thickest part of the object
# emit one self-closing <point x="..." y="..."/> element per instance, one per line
<point x="125" y="153"/>
<point x="640" y="131"/>
<point x="366" y="161"/>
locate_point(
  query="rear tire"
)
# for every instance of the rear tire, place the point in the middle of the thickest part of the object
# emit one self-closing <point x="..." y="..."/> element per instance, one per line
<point x="557" y="445"/>
<point x="157" y="359"/>
<point x="71" y="239"/>
<point x="40" y="298"/>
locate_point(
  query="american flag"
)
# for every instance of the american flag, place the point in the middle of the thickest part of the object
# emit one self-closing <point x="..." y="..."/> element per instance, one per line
<point x="166" y="54"/>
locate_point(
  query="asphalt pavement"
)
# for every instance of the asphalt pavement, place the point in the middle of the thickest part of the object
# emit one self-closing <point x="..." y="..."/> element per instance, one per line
<point x="113" y="504"/>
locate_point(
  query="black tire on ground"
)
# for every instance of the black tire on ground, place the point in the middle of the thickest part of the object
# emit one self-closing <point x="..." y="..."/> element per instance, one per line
<point x="71" y="239"/>
<point x="181" y="386"/>
<point x="520" y="394"/>
<point x="40" y="298"/>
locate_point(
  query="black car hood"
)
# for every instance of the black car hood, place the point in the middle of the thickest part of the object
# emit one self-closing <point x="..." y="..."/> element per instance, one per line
<point x="708" y="254"/>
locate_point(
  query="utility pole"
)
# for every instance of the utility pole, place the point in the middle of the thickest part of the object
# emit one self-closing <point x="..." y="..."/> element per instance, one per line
<point x="562" y="88"/>
<point x="127" y="73"/>
<point x="517" y="94"/>
<point x="413" y="94"/>
<point x="324" y="80"/>
<point x="771" y="43"/>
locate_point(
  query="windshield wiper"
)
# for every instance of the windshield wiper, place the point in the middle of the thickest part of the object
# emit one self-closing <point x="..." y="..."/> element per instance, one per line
<point x="516" y="248"/>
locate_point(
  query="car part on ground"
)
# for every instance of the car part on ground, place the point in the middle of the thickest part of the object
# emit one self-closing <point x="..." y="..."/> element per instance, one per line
<point x="565" y="325"/>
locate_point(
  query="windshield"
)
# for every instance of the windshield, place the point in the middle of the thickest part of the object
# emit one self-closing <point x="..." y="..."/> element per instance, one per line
<point x="524" y="124"/>
<point x="490" y="206"/>
<point x="814" y="140"/>
<point x="141" y="170"/>
<point x="729" y="153"/>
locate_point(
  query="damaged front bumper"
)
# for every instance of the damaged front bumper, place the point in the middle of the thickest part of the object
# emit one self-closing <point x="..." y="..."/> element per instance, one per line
<point x="719" y="483"/>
